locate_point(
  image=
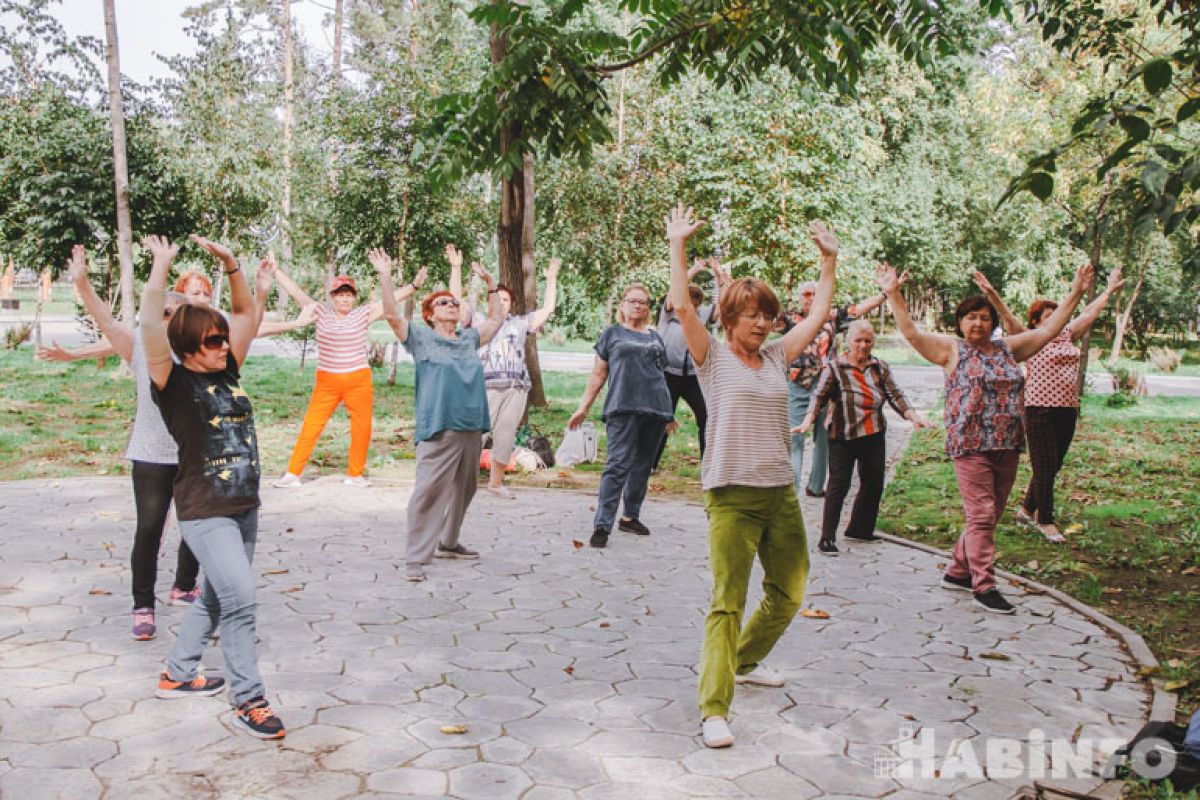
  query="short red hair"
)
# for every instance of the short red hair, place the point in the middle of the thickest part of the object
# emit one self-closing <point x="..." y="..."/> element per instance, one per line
<point x="1037" y="307"/>
<point x="743" y="294"/>
<point x="189" y="276"/>
<point x="427" y="305"/>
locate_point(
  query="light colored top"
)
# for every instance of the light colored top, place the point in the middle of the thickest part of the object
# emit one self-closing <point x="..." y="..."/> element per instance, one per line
<point x="679" y="360"/>
<point x="747" y="432"/>
<point x="1051" y="376"/>
<point x="504" y="356"/>
<point x="985" y="401"/>
<point x="149" y="439"/>
<point x="342" y="341"/>
<point x="449" y="382"/>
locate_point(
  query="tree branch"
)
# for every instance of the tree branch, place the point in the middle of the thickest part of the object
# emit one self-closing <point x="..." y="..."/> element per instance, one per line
<point x="651" y="50"/>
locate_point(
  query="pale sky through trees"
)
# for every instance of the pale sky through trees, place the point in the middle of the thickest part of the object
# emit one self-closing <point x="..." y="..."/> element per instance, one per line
<point x="147" y="27"/>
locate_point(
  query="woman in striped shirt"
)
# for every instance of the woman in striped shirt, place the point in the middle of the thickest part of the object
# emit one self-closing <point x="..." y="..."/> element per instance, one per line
<point x="856" y="384"/>
<point x="746" y="471"/>
<point x="343" y="374"/>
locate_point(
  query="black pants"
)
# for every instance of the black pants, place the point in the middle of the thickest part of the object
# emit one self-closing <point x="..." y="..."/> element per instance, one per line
<point x="152" y="498"/>
<point x="869" y="453"/>
<point x="687" y="387"/>
<point x="1048" y="431"/>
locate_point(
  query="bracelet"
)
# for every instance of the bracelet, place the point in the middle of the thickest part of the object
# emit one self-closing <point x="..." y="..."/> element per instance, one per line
<point x="230" y="272"/>
<point x="493" y="291"/>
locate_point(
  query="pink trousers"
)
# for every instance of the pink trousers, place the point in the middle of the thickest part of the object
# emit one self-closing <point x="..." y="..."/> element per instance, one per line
<point x="984" y="481"/>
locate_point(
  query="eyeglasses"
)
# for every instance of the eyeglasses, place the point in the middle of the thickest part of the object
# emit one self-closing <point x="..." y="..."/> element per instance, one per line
<point x="215" y="341"/>
<point x="635" y="302"/>
<point x="445" y="301"/>
<point x="757" y="315"/>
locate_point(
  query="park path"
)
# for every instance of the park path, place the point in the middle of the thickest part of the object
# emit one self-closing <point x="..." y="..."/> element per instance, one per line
<point x="575" y="669"/>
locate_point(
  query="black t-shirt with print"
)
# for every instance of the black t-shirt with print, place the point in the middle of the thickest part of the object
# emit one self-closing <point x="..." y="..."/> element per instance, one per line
<point x="211" y="420"/>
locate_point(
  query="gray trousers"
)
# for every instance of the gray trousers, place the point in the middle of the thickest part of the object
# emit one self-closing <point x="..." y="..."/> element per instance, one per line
<point x="224" y="546"/>
<point x="505" y="407"/>
<point x="447" y="473"/>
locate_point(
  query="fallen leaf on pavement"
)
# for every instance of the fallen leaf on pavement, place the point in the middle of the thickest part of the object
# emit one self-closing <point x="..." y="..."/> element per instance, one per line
<point x="275" y="571"/>
<point x="576" y="544"/>
<point x="569" y="670"/>
<point x="100" y="592"/>
<point x="814" y="613"/>
<point x="462" y="727"/>
<point x="293" y="589"/>
<point x="995" y="656"/>
<point x="604" y="625"/>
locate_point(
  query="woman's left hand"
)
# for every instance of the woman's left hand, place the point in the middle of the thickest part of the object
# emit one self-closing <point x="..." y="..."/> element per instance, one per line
<point x="824" y="238"/>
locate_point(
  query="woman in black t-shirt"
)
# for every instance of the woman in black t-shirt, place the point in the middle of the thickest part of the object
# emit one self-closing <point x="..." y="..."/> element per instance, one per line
<point x="216" y="487"/>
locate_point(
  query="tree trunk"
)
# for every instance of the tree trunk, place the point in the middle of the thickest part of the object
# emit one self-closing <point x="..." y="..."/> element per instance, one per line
<point x="285" y="233"/>
<point x="331" y="168"/>
<point x="514" y="235"/>
<point x="120" y="166"/>
<point x="1122" y="320"/>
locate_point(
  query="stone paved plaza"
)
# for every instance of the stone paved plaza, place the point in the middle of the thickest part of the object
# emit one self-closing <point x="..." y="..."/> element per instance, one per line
<point x="574" y="669"/>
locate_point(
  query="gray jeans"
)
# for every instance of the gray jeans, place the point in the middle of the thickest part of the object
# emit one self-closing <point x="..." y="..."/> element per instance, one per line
<point x="632" y="444"/>
<point x="447" y="474"/>
<point x="224" y="546"/>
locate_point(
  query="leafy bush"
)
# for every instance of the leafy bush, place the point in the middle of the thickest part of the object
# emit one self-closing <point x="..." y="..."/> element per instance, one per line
<point x="18" y="334"/>
<point x="1165" y="358"/>
<point x="1127" y="379"/>
<point x="376" y="353"/>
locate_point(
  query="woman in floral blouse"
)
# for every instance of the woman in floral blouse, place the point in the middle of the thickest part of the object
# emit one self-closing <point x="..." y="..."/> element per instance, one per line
<point x="984" y="407"/>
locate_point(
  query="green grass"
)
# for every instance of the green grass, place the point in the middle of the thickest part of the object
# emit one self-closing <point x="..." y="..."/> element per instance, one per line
<point x="1130" y="495"/>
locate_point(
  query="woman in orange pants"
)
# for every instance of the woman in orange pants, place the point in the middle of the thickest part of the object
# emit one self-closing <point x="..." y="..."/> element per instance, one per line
<point x="343" y="375"/>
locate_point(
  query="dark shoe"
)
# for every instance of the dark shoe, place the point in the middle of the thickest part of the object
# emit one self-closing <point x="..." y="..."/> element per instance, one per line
<point x="827" y="547"/>
<point x="599" y="538"/>
<point x="200" y="686"/>
<point x="633" y="526"/>
<point x="993" y="601"/>
<point x="257" y="719"/>
<point x="458" y="551"/>
<point x="956" y="584"/>
<point x="871" y="538"/>
<point x="811" y="493"/>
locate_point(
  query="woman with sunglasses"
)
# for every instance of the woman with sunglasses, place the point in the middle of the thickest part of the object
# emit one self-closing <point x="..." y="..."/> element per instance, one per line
<point x="343" y="374"/>
<point x="216" y="488"/>
<point x="631" y="357"/>
<point x="746" y="472"/>
<point x="451" y="414"/>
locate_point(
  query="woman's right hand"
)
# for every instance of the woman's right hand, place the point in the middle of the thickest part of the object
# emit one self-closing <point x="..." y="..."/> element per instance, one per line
<point x="381" y="261"/>
<point x="681" y="222"/>
<point x="576" y="419"/>
<point x="804" y="427"/>
<point x="77" y="265"/>
<point x="983" y="283"/>
<point x="54" y="352"/>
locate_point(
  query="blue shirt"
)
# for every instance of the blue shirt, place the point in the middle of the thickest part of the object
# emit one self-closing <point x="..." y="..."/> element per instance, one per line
<point x="450" y="393"/>
<point x="636" y="383"/>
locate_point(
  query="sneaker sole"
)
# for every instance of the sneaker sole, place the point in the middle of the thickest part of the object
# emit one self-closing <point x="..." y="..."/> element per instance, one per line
<point x="740" y="680"/>
<point x="455" y="555"/>
<point x="1009" y="612"/>
<point x="717" y="744"/>
<point x="181" y="602"/>
<point x="175" y="694"/>
<point x="950" y="587"/>
<point x="621" y="527"/>
<point x="245" y="727"/>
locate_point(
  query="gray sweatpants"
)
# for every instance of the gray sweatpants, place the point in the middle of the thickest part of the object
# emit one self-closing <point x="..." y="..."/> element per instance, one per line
<point x="447" y="473"/>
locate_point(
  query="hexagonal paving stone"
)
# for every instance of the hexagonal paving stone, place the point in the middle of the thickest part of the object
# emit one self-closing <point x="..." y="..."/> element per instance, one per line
<point x="488" y="782"/>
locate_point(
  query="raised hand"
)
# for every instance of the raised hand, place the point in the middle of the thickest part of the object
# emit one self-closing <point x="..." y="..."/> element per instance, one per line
<point x="419" y="279"/>
<point x="1115" y="281"/>
<point x="381" y="261"/>
<point x="454" y="256"/>
<point x="886" y="278"/>
<point x="265" y="275"/>
<point x="723" y="277"/>
<point x="1083" y="278"/>
<point x="983" y="283"/>
<point x="552" y="270"/>
<point x="215" y="248"/>
<point x="77" y="265"/>
<point x="306" y="315"/>
<point x="160" y="248"/>
<point x="54" y="352"/>
<point x="481" y="272"/>
<point x="824" y="238"/>
<point x="681" y="222"/>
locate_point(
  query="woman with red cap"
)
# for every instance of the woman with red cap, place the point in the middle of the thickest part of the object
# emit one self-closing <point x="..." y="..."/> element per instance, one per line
<point x="343" y="374"/>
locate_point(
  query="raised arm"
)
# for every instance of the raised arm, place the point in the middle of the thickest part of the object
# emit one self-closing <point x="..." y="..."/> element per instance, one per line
<point x="154" y="296"/>
<point x="1087" y="317"/>
<point x="1026" y="345"/>
<point x="495" y="317"/>
<point x="1007" y="318"/>
<point x="680" y="225"/>
<point x="403" y="293"/>
<point x="292" y="288"/>
<point x="799" y="337"/>
<point x="382" y="263"/>
<point x="595" y="383"/>
<point x="55" y="352"/>
<point x="303" y="319"/>
<point x="262" y="289"/>
<point x="549" y="299"/>
<point x="243" y="315"/>
<point x="721" y="281"/>
<point x="936" y="348"/>
<point x="119" y="336"/>
<point x="455" y="284"/>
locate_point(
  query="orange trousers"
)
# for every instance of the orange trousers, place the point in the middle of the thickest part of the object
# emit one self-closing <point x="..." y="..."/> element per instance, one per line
<point x="355" y="389"/>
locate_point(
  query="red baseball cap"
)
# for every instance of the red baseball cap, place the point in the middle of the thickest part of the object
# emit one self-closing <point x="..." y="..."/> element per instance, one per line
<point x="343" y="282"/>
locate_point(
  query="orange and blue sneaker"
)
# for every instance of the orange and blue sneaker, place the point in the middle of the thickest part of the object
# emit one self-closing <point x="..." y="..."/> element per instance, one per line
<point x="199" y="686"/>
<point x="257" y="719"/>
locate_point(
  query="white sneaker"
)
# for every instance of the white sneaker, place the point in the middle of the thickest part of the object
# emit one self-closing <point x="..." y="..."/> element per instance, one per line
<point x="762" y="675"/>
<point x="715" y="732"/>
<point x="359" y="481"/>
<point x="287" y="481"/>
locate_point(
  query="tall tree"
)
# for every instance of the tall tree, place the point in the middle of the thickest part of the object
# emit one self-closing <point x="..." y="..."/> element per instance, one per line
<point x="116" y="112"/>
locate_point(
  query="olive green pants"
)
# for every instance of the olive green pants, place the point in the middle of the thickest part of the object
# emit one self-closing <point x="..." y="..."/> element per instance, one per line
<point x="742" y="521"/>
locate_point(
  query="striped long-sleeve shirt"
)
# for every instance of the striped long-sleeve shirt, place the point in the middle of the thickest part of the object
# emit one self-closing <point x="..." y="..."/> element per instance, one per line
<point x="857" y="397"/>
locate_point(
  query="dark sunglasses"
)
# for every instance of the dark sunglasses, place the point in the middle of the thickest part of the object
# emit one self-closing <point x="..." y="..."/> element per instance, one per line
<point x="445" y="301"/>
<point x="215" y="341"/>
